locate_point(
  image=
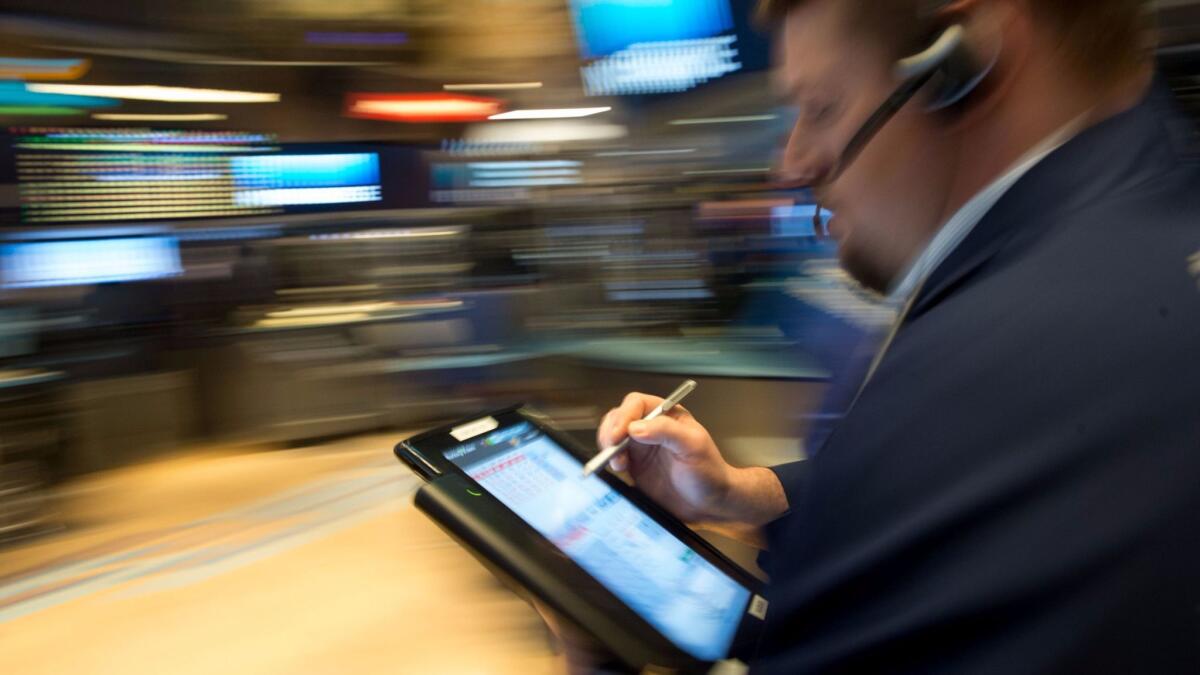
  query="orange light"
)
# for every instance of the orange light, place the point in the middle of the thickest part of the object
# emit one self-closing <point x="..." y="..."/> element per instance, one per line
<point x="436" y="107"/>
<point x="43" y="69"/>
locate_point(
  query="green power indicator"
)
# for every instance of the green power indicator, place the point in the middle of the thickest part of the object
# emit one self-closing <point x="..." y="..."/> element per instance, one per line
<point x="474" y="493"/>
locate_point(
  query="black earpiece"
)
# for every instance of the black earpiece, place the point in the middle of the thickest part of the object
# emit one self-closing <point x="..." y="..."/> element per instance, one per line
<point x="956" y="70"/>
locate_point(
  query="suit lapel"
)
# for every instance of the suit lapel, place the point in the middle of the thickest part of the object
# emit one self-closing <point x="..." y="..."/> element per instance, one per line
<point x="1097" y="162"/>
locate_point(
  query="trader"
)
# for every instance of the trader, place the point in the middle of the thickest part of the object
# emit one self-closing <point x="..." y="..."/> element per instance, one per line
<point x="1015" y="483"/>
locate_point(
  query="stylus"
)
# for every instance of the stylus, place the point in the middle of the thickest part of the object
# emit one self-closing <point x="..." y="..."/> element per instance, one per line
<point x="681" y="392"/>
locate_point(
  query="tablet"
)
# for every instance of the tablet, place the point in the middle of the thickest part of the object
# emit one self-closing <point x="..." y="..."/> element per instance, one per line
<point x="643" y="567"/>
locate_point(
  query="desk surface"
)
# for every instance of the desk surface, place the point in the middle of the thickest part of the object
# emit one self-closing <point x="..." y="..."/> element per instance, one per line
<point x="299" y="561"/>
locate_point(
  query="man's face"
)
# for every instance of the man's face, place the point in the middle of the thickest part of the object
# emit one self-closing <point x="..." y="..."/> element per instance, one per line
<point x="889" y="201"/>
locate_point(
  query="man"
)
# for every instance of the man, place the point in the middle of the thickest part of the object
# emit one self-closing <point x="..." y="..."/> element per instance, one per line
<point x="1015" y="486"/>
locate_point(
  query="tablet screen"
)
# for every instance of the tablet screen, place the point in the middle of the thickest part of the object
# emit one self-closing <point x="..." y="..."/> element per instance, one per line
<point x="675" y="589"/>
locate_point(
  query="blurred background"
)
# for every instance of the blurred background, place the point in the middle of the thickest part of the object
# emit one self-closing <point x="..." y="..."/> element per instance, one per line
<point x="246" y="246"/>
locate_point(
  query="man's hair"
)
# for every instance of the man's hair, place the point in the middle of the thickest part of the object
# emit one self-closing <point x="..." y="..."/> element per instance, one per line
<point x="1101" y="40"/>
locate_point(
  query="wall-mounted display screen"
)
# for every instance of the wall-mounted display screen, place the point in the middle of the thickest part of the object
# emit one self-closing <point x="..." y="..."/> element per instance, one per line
<point x="92" y="175"/>
<point x="306" y="180"/>
<point x="98" y="176"/>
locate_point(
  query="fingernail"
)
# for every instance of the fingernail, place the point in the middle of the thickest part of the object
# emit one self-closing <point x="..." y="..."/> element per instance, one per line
<point x="637" y="428"/>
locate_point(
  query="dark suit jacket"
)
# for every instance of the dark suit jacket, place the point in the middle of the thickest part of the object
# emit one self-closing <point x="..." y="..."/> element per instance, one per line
<point x="1018" y="488"/>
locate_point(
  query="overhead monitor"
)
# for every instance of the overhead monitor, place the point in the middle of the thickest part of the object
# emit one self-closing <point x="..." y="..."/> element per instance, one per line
<point x="656" y="46"/>
<point x="606" y="27"/>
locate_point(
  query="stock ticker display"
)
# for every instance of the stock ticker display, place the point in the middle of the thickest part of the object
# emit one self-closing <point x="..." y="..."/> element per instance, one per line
<point x="103" y="175"/>
<point x="90" y="175"/>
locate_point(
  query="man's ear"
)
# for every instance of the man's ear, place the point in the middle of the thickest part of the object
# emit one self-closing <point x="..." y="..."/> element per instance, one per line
<point x="997" y="40"/>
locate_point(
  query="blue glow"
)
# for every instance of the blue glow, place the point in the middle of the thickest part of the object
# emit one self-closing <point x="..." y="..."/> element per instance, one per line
<point x="15" y="93"/>
<point x="604" y="27"/>
<point x="274" y="172"/>
<point x="39" y="264"/>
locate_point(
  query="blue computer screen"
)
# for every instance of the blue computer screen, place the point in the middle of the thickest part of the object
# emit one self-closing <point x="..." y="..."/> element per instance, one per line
<point x="302" y="180"/>
<point x="39" y="264"/>
<point x="679" y="592"/>
<point x="604" y="27"/>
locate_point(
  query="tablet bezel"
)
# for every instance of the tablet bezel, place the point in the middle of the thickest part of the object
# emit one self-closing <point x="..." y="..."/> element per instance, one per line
<point x="425" y="454"/>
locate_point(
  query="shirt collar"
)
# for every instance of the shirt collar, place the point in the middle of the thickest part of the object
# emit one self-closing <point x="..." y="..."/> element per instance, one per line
<point x="956" y="229"/>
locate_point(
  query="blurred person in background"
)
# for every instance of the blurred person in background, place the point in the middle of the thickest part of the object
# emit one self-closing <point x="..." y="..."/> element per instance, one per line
<point x="1015" y="484"/>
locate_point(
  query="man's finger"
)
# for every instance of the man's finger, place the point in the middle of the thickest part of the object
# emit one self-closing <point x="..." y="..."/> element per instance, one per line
<point x="614" y="428"/>
<point x="636" y="406"/>
<point x="603" y="431"/>
<point x="667" y="432"/>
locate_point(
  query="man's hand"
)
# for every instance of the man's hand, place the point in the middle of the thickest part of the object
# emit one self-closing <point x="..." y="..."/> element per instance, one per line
<point x="674" y="460"/>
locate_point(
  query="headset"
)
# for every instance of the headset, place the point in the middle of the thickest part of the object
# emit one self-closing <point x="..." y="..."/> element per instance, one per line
<point x="950" y="69"/>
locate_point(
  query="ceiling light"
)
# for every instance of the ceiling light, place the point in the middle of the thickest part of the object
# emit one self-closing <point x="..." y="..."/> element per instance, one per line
<point x="724" y="120"/>
<point x="495" y="86"/>
<point x="421" y="107"/>
<point x="150" y="92"/>
<point x="544" y="131"/>
<point x="134" y="117"/>
<point x="549" y="113"/>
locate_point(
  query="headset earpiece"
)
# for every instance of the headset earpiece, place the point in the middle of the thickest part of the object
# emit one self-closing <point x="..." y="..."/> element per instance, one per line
<point x="956" y="71"/>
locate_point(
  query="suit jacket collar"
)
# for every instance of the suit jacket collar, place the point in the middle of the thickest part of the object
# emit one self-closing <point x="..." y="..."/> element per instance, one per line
<point x="1122" y="152"/>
